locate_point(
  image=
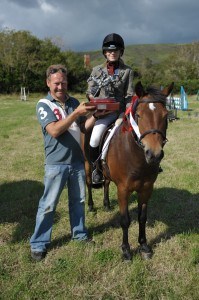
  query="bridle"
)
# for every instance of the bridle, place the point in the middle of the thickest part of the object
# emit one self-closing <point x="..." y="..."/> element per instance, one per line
<point x="134" y="120"/>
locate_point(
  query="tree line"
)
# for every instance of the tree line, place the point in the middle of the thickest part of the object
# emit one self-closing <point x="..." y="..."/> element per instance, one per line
<point x="24" y="59"/>
<point x="181" y="67"/>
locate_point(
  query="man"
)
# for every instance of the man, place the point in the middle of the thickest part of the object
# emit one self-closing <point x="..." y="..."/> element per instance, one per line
<point x="61" y="118"/>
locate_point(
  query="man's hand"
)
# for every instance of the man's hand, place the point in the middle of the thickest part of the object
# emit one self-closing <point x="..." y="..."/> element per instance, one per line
<point x="83" y="110"/>
<point x="55" y="129"/>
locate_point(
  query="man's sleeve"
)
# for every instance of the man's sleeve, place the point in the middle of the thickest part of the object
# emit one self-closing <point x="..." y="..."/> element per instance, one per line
<point x="44" y="114"/>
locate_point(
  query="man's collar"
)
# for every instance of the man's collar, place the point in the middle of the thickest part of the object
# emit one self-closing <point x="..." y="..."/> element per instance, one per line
<point x="50" y="97"/>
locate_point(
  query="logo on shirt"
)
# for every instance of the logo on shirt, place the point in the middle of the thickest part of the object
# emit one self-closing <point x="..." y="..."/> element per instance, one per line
<point x="57" y="114"/>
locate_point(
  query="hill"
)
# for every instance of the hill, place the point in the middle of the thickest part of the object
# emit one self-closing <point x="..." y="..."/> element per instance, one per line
<point x="134" y="54"/>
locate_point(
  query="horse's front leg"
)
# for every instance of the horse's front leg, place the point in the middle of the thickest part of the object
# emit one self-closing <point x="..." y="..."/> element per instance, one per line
<point x="124" y="222"/>
<point x="145" y="250"/>
<point x="106" y="194"/>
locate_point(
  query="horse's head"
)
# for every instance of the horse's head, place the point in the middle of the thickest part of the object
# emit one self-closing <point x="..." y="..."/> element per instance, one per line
<point x="151" y="116"/>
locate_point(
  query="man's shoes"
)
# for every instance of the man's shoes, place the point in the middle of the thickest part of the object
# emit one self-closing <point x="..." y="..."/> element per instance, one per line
<point x="97" y="177"/>
<point x="38" y="255"/>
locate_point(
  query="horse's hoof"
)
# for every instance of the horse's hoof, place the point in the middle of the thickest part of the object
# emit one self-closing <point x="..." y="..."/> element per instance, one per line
<point x="145" y="252"/>
<point x="146" y="256"/>
<point x="127" y="256"/>
<point x="107" y="208"/>
<point x="91" y="209"/>
<point x="126" y="253"/>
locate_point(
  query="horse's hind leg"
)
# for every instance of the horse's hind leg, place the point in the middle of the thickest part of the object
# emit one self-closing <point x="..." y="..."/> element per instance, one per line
<point x="90" y="197"/>
<point x="125" y="223"/>
<point x="145" y="250"/>
<point x="89" y="186"/>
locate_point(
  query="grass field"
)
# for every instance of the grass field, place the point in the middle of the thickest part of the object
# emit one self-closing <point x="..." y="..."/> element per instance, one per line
<point x="75" y="271"/>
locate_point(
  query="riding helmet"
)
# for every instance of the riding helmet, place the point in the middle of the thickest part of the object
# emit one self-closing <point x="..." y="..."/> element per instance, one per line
<point x="113" y="41"/>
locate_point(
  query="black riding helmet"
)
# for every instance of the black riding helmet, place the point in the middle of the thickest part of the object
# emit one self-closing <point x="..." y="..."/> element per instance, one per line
<point x="113" y="41"/>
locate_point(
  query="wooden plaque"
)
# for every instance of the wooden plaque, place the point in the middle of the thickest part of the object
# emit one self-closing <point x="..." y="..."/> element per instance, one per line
<point x="104" y="104"/>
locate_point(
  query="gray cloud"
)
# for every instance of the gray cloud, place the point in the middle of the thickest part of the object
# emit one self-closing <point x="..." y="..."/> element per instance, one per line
<point x="82" y="25"/>
<point x="24" y="3"/>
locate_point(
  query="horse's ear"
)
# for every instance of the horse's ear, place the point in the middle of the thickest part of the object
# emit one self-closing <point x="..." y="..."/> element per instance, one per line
<point x="139" y="89"/>
<point x="166" y="91"/>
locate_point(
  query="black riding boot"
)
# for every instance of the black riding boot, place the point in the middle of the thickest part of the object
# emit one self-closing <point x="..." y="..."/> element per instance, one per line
<point x="97" y="176"/>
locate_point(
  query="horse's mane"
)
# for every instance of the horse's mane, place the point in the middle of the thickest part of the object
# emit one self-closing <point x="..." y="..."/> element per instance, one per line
<point x="157" y="94"/>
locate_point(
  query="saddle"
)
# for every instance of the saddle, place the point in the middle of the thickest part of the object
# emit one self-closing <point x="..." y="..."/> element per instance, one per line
<point x="105" y="136"/>
<point x="102" y="163"/>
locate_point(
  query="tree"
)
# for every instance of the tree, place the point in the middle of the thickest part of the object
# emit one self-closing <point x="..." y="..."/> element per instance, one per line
<point x="25" y="58"/>
<point x="77" y="73"/>
<point x="181" y="67"/>
<point x="19" y="53"/>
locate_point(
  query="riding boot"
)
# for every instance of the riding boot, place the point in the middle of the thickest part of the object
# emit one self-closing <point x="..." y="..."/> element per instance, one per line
<point x="97" y="176"/>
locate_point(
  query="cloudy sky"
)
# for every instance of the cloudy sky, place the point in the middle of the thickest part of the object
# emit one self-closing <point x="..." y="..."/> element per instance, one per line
<point x="81" y="25"/>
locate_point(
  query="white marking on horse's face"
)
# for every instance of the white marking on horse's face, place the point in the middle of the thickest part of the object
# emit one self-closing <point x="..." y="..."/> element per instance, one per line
<point x="152" y="106"/>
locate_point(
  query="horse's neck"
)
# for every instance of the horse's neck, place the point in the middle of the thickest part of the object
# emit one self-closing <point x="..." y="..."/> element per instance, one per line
<point x="125" y="141"/>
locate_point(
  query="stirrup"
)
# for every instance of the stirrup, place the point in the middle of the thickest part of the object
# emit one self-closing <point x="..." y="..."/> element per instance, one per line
<point x="97" y="177"/>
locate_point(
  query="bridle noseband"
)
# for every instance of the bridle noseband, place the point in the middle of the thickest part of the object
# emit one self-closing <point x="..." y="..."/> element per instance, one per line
<point x="152" y="130"/>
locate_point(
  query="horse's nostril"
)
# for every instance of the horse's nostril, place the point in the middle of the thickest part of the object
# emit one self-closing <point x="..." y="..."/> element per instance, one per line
<point x="151" y="157"/>
<point x="149" y="154"/>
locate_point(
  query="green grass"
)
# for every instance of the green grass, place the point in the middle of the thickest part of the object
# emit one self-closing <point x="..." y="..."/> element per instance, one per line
<point x="75" y="271"/>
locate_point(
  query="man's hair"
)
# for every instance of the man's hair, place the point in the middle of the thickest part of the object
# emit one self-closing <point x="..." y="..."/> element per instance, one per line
<point x="54" y="69"/>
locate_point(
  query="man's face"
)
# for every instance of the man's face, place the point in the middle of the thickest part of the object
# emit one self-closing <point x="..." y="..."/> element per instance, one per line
<point x="58" y="84"/>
